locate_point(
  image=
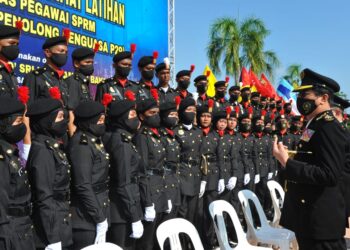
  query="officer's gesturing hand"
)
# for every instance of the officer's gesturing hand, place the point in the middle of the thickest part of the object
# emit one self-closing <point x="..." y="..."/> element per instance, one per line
<point x="280" y="152"/>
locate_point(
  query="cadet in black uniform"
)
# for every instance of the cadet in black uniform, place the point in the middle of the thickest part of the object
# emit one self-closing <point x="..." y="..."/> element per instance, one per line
<point x="314" y="206"/>
<point x="169" y="120"/>
<point x="220" y="92"/>
<point x="119" y="83"/>
<point x="190" y="139"/>
<point x="166" y="92"/>
<point x="262" y="159"/>
<point x="183" y="79"/>
<point x="149" y="144"/>
<point x="18" y="210"/>
<point x="234" y="93"/>
<point x="245" y="102"/>
<point x="201" y="84"/>
<point x="41" y="80"/>
<point x="125" y="174"/>
<point x="79" y="82"/>
<point x="9" y="41"/>
<point x="90" y="162"/>
<point x="146" y="65"/>
<point x="210" y="186"/>
<point x="49" y="175"/>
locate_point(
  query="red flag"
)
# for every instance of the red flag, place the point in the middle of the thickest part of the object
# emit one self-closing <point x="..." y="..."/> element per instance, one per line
<point x="268" y="86"/>
<point x="245" y="78"/>
<point x="259" y="87"/>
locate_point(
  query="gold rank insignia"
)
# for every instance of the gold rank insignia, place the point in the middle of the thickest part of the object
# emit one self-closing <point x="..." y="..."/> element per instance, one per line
<point x="328" y="117"/>
<point x="181" y="132"/>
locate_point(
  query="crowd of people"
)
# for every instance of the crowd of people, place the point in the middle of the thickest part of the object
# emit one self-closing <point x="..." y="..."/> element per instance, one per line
<point x="78" y="169"/>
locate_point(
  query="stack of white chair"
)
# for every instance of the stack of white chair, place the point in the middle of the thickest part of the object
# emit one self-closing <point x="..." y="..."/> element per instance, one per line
<point x="277" y="203"/>
<point x="217" y="210"/>
<point x="103" y="246"/>
<point x="266" y="234"/>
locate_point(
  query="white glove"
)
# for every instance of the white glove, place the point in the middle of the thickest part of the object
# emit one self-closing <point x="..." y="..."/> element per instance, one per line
<point x="150" y="213"/>
<point x="276" y="172"/>
<point x="170" y="207"/>
<point x="257" y="179"/>
<point x="101" y="231"/>
<point x="231" y="183"/>
<point x="137" y="230"/>
<point x="54" y="246"/>
<point x="221" y="186"/>
<point x="202" y="189"/>
<point x="246" y="179"/>
<point x="269" y="176"/>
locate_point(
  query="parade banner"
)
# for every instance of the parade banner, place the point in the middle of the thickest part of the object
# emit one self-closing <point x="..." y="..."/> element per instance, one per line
<point x="112" y="23"/>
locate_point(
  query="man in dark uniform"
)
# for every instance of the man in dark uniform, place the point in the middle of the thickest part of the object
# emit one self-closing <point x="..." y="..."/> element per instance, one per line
<point x="287" y="107"/>
<point x="166" y="92"/>
<point x="245" y="94"/>
<point x="148" y="142"/>
<point x="314" y="206"/>
<point x="201" y="84"/>
<point x="296" y="127"/>
<point x="183" y="79"/>
<point x="190" y="139"/>
<point x="9" y="40"/>
<point x="42" y="80"/>
<point x="279" y="105"/>
<point x="49" y="175"/>
<point x="234" y="93"/>
<point x="146" y="65"/>
<point x="79" y="82"/>
<point x="220" y="92"/>
<point x="126" y="173"/>
<point x="90" y="163"/>
<point x="119" y="83"/>
<point x="262" y="159"/>
<point x="18" y="210"/>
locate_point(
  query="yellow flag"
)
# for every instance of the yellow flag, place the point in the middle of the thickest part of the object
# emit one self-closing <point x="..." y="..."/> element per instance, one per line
<point x="211" y="81"/>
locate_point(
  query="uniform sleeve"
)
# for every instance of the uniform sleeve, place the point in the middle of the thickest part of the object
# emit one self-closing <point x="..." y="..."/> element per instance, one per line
<point x="255" y="157"/>
<point x="127" y="191"/>
<point x="140" y="141"/>
<point x="100" y="90"/>
<point x="73" y="92"/>
<point x="42" y="170"/>
<point x="236" y="159"/>
<point x="30" y="81"/>
<point x="270" y="159"/>
<point x="329" y="152"/>
<point x="4" y="188"/>
<point x="221" y="158"/>
<point x="82" y="164"/>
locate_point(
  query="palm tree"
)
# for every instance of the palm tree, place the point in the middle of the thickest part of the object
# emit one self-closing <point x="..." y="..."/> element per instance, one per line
<point x="293" y="74"/>
<point x="234" y="45"/>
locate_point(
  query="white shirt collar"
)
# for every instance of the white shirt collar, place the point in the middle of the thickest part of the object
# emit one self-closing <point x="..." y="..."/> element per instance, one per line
<point x="188" y="127"/>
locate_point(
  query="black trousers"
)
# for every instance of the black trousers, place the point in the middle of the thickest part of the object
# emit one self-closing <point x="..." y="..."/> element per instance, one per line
<point x="148" y="241"/>
<point x="119" y="234"/>
<point x="188" y="208"/>
<point x="309" y="244"/>
<point x="263" y="193"/>
<point x="82" y="238"/>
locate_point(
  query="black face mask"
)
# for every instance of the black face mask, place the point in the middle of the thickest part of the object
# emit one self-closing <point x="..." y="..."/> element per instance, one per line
<point x="294" y="128"/>
<point x="14" y="134"/>
<point x="184" y="84"/>
<point x="97" y="129"/>
<point x="220" y="94"/>
<point x="279" y="108"/>
<point x="201" y="89"/>
<point x="272" y="106"/>
<point x="245" y="127"/>
<point x="268" y="130"/>
<point x="281" y="125"/>
<point x="170" y="122"/>
<point x="132" y="124"/>
<point x="245" y="98"/>
<point x="58" y="129"/>
<point x="306" y="106"/>
<point x="255" y="102"/>
<point x="59" y="59"/>
<point x="262" y="106"/>
<point x="147" y="74"/>
<point x="10" y="52"/>
<point x="123" y="71"/>
<point x="87" y="70"/>
<point x="234" y="97"/>
<point x="288" y="110"/>
<point x="152" y="121"/>
<point x="187" y="117"/>
<point x="259" y="128"/>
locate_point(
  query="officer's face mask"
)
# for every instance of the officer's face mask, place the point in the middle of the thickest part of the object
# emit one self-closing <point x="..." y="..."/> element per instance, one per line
<point x="183" y="84"/>
<point x="58" y="129"/>
<point x="188" y="117"/>
<point x="220" y="94"/>
<point x="147" y="74"/>
<point x="170" y="122"/>
<point x="123" y="72"/>
<point x="245" y="127"/>
<point x="152" y="121"/>
<point x="15" y="133"/>
<point x="201" y="88"/>
<point x="10" y="52"/>
<point x="259" y="128"/>
<point x="281" y="125"/>
<point x="245" y="97"/>
<point x="97" y="130"/>
<point x="272" y="106"/>
<point x="268" y="130"/>
<point x="132" y="124"/>
<point x="87" y="70"/>
<point x="279" y="108"/>
<point x="255" y="102"/>
<point x="306" y="106"/>
<point x="234" y="97"/>
<point x="288" y="109"/>
<point x="59" y="59"/>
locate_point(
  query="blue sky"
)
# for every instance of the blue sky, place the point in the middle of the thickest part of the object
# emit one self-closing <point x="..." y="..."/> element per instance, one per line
<point x="313" y="33"/>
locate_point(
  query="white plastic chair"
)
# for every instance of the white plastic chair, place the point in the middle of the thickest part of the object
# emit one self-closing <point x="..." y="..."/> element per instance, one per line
<point x="277" y="203"/>
<point x="216" y="209"/>
<point x="265" y="234"/>
<point x="172" y="228"/>
<point x="103" y="246"/>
